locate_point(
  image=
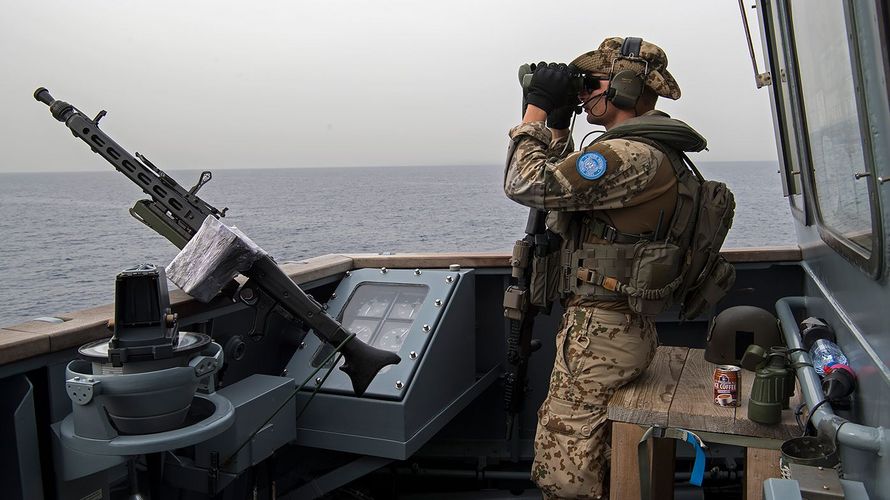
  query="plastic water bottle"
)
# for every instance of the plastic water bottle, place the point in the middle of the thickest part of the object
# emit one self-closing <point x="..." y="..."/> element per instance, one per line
<point x="825" y="353"/>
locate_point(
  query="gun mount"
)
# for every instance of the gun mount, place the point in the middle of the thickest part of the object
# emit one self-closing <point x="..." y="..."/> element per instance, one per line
<point x="178" y="214"/>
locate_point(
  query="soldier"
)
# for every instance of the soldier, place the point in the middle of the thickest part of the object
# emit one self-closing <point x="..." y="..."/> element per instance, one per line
<point x="613" y="192"/>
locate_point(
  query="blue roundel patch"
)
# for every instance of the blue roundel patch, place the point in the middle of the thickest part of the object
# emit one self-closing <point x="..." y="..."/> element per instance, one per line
<point x="591" y="165"/>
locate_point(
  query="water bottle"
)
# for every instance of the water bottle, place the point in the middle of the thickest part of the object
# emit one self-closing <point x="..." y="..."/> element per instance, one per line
<point x="825" y="353"/>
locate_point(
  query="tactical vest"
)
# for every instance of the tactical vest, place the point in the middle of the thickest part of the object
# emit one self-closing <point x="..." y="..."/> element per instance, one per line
<point x="646" y="270"/>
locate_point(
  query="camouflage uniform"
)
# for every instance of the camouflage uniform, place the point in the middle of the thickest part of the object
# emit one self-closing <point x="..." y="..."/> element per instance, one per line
<point x="600" y="346"/>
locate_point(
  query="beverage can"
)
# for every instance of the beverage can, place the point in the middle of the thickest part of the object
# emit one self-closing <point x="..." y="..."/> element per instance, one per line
<point x="727" y="385"/>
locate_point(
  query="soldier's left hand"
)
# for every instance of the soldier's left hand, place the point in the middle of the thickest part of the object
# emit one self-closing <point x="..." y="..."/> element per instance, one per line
<point x="549" y="88"/>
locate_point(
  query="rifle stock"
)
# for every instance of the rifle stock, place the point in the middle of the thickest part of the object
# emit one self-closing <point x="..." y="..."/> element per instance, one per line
<point x="177" y="215"/>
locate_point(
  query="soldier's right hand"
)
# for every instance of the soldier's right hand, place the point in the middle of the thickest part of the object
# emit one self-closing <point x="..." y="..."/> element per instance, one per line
<point x="549" y="87"/>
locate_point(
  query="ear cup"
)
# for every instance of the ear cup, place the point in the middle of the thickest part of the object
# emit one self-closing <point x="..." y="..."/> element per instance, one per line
<point x="625" y="89"/>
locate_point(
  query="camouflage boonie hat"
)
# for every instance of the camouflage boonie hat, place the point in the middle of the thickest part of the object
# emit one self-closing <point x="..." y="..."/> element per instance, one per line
<point x="658" y="79"/>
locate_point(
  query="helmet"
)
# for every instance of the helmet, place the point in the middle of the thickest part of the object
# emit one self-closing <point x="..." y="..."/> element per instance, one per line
<point x="736" y="328"/>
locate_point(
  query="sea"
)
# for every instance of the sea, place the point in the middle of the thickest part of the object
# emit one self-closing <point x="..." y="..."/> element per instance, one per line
<point x="64" y="236"/>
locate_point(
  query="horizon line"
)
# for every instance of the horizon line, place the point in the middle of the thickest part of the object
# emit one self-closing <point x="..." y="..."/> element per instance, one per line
<point x="55" y="170"/>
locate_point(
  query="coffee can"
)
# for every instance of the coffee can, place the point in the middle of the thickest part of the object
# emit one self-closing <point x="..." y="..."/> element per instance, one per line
<point x="727" y="385"/>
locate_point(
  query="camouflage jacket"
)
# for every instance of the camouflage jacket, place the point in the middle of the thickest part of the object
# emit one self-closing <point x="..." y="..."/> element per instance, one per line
<point x="605" y="175"/>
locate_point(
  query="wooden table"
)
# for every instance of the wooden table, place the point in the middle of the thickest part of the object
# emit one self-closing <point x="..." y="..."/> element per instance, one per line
<point x="677" y="391"/>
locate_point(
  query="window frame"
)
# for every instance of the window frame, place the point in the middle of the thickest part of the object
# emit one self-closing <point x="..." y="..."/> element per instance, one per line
<point x="778" y="42"/>
<point x="871" y="261"/>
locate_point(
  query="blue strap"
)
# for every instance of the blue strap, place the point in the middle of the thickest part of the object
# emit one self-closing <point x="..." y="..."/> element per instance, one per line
<point x="698" y="469"/>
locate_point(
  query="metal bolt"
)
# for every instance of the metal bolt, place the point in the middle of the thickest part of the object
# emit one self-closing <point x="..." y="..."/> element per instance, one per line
<point x="449" y="279"/>
<point x="413" y="355"/>
<point x="399" y="384"/>
<point x="324" y="306"/>
<point x="438" y="302"/>
<point x="383" y="270"/>
<point x="248" y="295"/>
<point x="426" y="328"/>
<point x="284" y="372"/>
<point x="348" y="273"/>
<point x="454" y="267"/>
<point x="417" y="272"/>
<point x="302" y="345"/>
<point x="317" y="380"/>
<point x="334" y="295"/>
<point x="825" y="487"/>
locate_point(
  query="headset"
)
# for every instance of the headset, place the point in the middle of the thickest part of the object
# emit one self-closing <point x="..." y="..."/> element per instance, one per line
<point x="626" y="86"/>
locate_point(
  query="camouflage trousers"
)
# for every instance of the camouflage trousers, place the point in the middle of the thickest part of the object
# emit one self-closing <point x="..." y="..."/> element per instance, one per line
<point x="597" y="352"/>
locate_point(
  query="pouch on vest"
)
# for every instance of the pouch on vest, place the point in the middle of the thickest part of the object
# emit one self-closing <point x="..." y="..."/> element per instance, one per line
<point x="546" y="277"/>
<point x="544" y="286"/>
<point x="654" y="278"/>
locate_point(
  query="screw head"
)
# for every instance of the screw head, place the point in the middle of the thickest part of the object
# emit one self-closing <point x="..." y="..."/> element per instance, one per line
<point x="417" y="272"/>
<point x="413" y="355"/>
<point x="317" y="380"/>
<point x="438" y="302"/>
<point x="284" y="372"/>
<point x="334" y="295"/>
<point x="248" y="295"/>
<point x="302" y="345"/>
<point x="383" y="270"/>
<point x="449" y="279"/>
<point x="348" y="273"/>
<point x="427" y="328"/>
<point x="399" y="384"/>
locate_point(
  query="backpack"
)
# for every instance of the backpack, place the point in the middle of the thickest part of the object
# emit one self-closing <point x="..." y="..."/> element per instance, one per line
<point x="708" y="276"/>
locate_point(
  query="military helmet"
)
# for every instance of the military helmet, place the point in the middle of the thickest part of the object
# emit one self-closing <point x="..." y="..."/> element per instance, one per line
<point x="606" y="60"/>
<point x="736" y="328"/>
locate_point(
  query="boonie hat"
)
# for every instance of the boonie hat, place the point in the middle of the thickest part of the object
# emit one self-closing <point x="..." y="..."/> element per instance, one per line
<point x="658" y="78"/>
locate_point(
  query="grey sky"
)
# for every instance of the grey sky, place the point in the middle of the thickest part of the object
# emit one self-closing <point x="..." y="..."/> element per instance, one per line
<point x="227" y="84"/>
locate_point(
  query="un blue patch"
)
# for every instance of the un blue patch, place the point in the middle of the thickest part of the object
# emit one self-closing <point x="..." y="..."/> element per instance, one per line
<point x="591" y="165"/>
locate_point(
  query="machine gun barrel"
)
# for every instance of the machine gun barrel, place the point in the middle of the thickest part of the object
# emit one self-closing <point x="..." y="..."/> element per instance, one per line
<point x="177" y="214"/>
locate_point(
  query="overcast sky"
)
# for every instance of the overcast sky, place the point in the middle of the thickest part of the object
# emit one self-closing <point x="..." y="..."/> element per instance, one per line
<point x="244" y="84"/>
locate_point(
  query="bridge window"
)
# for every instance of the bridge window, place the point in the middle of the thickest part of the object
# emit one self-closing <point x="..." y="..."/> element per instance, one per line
<point x="830" y="94"/>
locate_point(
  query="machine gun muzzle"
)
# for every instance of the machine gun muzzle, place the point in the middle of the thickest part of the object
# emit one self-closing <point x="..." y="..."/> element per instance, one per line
<point x="60" y="110"/>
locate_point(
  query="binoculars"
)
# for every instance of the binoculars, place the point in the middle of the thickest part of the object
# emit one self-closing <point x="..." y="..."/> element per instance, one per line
<point x="578" y="80"/>
<point x="773" y="383"/>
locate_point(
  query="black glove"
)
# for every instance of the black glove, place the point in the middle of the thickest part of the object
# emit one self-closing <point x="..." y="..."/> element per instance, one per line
<point x="560" y="118"/>
<point x="549" y="88"/>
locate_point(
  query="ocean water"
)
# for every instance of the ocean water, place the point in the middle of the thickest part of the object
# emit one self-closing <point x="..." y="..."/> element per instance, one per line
<point x="65" y="236"/>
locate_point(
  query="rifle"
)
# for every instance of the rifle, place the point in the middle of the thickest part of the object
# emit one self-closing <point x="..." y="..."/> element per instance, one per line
<point x="177" y="215"/>
<point x="519" y="309"/>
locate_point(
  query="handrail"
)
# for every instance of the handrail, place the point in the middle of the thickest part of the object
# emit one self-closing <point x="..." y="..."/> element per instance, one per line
<point x="858" y="436"/>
